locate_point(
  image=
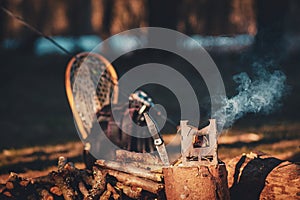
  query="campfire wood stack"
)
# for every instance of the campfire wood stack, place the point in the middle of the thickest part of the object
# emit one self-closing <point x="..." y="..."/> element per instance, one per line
<point x="139" y="176"/>
<point x="126" y="178"/>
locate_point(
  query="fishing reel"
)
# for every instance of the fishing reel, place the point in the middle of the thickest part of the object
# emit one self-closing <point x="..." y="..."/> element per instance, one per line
<point x="140" y="102"/>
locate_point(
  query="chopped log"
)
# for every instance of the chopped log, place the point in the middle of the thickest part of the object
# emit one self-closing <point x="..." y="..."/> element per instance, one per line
<point x="130" y="169"/>
<point x="145" y="158"/>
<point x="132" y="192"/>
<point x="130" y="180"/>
<point x="202" y="182"/>
<point x="262" y="176"/>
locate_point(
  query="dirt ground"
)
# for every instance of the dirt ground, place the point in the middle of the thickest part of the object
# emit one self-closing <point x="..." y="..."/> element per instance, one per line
<point x="40" y="160"/>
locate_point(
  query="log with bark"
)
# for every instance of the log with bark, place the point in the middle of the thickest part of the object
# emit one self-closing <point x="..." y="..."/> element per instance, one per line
<point x="197" y="182"/>
<point x="261" y="176"/>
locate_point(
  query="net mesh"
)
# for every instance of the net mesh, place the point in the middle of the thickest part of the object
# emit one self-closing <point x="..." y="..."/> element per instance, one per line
<point x="92" y="85"/>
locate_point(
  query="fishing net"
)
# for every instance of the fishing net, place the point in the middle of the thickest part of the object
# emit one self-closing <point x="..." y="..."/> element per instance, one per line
<point x="95" y="87"/>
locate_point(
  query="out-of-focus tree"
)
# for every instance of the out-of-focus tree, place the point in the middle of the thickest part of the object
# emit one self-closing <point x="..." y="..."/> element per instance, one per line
<point x="108" y="6"/>
<point x="79" y="15"/>
<point x="163" y="13"/>
<point x="216" y="17"/>
<point x="128" y="14"/>
<point x="271" y="15"/>
<point x="243" y="17"/>
<point x="35" y="13"/>
<point x="3" y="21"/>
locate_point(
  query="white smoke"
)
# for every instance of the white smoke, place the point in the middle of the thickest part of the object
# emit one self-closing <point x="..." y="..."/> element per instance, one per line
<point x="260" y="94"/>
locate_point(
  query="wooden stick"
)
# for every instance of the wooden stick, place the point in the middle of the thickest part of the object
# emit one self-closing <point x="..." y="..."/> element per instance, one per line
<point x="109" y="187"/>
<point x="48" y="179"/>
<point x="99" y="183"/>
<point x="2" y="187"/>
<point x="24" y="182"/>
<point x="9" y="185"/>
<point x="105" y="195"/>
<point x="130" y="169"/>
<point x="86" y="177"/>
<point x="146" y="158"/>
<point x="115" y="194"/>
<point x="132" y="192"/>
<point x="67" y="191"/>
<point x="130" y="180"/>
<point x="7" y="193"/>
<point x="56" y="190"/>
<point x="45" y="195"/>
<point x="83" y="190"/>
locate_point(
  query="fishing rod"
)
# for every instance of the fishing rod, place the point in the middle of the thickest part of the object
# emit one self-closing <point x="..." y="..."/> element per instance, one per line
<point x="22" y="21"/>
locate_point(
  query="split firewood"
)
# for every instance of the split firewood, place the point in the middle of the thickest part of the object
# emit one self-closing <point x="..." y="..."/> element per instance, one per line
<point x="9" y="185"/>
<point x="116" y="196"/>
<point x="7" y="194"/>
<point x="105" y="196"/>
<point x="45" y="195"/>
<point x="56" y="190"/>
<point x="2" y="187"/>
<point x="98" y="184"/>
<point x="84" y="191"/>
<point x="114" y="193"/>
<point x="128" y="168"/>
<point x="145" y="158"/>
<point x="87" y="176"/>
<point x="67" y="191"/>
<point x="130" y="180"/>
<point x="48" y="179"/>
<point x="131" y="191"/>
<point x="24" y="182"/>
<point x="110" y="188"/>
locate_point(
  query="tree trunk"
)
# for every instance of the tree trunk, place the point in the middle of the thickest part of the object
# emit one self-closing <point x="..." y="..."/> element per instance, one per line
<point x="270" y="28"/>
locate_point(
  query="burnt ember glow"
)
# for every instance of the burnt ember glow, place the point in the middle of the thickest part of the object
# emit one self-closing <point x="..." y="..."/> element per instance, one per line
<point x="260" y="94"/>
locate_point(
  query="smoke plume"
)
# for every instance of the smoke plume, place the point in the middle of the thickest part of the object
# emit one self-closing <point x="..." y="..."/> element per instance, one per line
<point x="261" y="94"/>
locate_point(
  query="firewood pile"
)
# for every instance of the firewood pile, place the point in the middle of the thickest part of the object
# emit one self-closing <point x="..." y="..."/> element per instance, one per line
<point x="139" y="176"/>
<point x="131" y="176"/>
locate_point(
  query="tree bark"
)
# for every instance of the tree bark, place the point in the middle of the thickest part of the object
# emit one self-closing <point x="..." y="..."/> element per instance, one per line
<point x="202" y="182"/>
<point x="263" y="177"/>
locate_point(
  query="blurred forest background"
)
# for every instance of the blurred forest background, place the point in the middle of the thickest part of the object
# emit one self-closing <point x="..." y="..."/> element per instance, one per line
<point x="33" y="105"/>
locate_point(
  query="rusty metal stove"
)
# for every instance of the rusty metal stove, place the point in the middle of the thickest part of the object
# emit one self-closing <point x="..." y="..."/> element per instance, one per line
<point x="199" y="147"/>
<point x="200" y="175"/>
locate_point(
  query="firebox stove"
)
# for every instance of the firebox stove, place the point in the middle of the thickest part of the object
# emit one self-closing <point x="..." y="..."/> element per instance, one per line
<point x="198" y="147"/>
